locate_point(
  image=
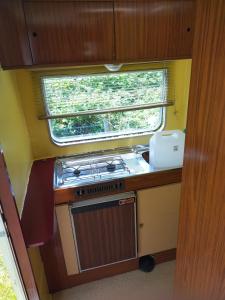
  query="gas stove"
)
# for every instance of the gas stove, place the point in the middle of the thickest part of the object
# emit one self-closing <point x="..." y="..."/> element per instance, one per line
<point x="79" y="170"/>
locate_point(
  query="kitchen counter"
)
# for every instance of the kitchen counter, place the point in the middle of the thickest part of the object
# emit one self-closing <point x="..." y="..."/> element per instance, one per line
<point x="38" y="214"/>
<point x="146" y="177"/>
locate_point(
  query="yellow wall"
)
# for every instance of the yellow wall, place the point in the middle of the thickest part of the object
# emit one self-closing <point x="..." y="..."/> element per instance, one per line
<point x="177" y="115"/>
<point x="43" y="147"/>
<point x="14" y="137"/>
<point x="15" y="142"/>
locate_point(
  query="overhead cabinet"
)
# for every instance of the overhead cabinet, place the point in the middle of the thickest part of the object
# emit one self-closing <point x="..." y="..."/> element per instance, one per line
<point x="14" y="44"/>
<point x="45" y="33"/>
<point x="152" y="29"/>
<point x="70" y="32"/>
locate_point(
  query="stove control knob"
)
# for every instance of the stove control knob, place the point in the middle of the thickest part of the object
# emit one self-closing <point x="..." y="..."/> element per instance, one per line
<point x="80" y="192"/>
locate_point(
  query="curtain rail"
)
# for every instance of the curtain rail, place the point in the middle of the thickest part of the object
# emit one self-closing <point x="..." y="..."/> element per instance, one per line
<point x="105" y="111"/>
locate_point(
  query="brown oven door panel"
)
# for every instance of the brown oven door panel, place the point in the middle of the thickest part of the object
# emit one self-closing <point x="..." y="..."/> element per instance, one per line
<point x="105" y="234"/>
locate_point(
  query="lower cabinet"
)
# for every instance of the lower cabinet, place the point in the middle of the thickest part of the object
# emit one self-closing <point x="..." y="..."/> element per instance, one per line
<point x="157" y="217"/>
<point x="97" y="234"/>
<point x="107" y="235"/>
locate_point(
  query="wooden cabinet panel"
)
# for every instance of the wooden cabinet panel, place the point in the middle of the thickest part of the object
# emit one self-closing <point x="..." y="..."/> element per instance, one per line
<point x="157" y="211"/>
<point x="153" y="29"/>
<point x="201" y="243"/>
<point x="14" y="43"/>
<point x="105" y="236"/>
<point x="71" y="32"/>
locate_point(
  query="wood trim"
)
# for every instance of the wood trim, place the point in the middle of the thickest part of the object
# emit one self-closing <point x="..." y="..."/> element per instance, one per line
<point x="201" y="243"/>
<point x="11" y="215"/>
<point x="165" y="256"/>
<point x="39" y="204"/>
<point x="130" y="184"/>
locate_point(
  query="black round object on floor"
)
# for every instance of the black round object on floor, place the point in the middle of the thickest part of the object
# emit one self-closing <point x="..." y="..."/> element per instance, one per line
<point x="146" y="263"/>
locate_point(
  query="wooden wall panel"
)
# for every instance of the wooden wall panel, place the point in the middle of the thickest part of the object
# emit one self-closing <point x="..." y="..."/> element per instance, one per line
<point x="200" y="273"/>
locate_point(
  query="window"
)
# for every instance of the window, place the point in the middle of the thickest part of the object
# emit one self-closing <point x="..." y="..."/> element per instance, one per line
<point x="92" y="107"/>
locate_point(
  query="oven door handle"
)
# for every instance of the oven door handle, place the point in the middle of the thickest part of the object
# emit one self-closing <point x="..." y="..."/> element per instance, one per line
<point x="96" y="206"/>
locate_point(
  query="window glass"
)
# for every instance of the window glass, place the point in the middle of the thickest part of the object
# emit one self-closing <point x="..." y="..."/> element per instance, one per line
<point x="108" y="105"/>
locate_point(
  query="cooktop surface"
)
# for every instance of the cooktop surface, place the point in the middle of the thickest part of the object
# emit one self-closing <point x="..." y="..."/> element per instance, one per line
<point x="98" y="166"/>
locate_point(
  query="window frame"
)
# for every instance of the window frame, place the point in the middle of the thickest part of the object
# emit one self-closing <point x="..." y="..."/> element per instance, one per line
<point x="117" y="136"/>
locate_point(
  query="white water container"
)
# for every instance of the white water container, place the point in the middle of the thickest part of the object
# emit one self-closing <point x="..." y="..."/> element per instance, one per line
<point x="166" y="149"/>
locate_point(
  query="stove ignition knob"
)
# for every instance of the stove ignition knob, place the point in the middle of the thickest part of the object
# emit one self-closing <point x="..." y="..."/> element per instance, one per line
<point x="80" y="192"/>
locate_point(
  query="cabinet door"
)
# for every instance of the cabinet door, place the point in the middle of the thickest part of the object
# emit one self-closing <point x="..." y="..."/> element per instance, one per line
<point x="105" y="234"/>
<point x="158" y="210"/>
<point x="70" y="32"/>
<point x="14" y="44"/>
<point x="154" y="29"/>
<point x="67" y="239"/>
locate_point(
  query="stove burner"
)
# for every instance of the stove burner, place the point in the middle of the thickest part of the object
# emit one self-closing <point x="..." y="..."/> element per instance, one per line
<point x="93" y="169"/>
<point x="111" y="167"/>
<point x="76" y="172"/>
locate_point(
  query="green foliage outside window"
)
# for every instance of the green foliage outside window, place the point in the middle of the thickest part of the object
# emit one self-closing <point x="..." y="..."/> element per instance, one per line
<point x="6" y="289"/>
<point x="73" y="94"/>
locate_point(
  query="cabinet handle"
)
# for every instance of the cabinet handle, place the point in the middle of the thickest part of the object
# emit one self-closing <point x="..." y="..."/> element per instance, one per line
<point x="141" y="225"/>
<point x="34" y="34"/>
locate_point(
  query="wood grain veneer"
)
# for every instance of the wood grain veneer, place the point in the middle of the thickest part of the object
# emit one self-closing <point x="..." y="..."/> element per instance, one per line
<point x="153" y="29"/>
<point x="106" y="235"/>
<point x="200" y="273"/>
<point x="14" y="45"/>
<point x="70" y="32"/>
<point x="12" y="220"/>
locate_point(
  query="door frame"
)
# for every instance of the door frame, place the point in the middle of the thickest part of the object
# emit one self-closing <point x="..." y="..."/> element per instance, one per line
<point x="12" y="221"/>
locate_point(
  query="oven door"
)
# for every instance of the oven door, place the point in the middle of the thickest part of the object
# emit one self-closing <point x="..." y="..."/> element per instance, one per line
<point x="105" y="230"/>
